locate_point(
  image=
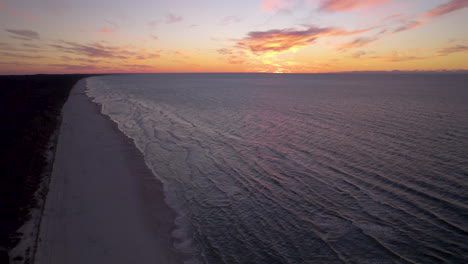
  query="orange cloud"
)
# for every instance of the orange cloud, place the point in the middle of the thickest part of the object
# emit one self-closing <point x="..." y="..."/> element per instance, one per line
<point x="348" y="5"/>
<point x="399" y="58"/>
<point x="234" y="56"/>
<point x="23" y="15"/>
<point x="451" y="6"/>
<point x="283" y="40"/>
<point x="106" y="31"/>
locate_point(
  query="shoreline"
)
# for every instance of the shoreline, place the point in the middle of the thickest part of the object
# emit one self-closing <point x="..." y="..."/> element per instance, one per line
<point x="104" y="205"/>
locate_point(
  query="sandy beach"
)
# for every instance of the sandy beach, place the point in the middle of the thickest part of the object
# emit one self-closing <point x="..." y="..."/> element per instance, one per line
<point x="104" y="205"/>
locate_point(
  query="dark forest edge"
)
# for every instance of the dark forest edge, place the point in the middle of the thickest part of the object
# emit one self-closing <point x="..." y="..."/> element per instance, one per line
<point x="30" y="109"/>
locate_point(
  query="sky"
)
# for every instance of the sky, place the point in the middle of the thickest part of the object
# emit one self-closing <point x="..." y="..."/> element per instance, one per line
<point x="280" y="36"/>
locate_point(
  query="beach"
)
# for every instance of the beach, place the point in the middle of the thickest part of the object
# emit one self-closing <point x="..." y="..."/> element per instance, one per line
<point x="103" y="205"/>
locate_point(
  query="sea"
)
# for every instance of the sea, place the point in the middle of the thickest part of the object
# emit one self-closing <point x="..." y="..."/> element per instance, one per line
<point x="303" y="168"/>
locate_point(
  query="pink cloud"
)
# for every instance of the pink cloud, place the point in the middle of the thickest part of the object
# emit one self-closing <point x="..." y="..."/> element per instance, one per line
<point x="229" y="20"/>
<point x="23" y="15"/>
<point x="348" y="5"/>
<point x="451" y="6"/>
<point x="422" y="19"/>
<point x="277" y="5"/>
<point x="153" y="23"/>
<point x="171" y="18"/>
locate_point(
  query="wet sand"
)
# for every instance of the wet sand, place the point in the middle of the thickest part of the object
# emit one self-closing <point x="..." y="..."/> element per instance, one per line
<point x="104" y="205"/>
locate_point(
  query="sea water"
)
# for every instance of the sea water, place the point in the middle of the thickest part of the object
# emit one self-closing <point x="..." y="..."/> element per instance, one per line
<point x="304" y="168"/>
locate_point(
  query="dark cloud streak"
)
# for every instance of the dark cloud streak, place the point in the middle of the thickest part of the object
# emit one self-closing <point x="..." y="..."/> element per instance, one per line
<point x="23" y="34"/>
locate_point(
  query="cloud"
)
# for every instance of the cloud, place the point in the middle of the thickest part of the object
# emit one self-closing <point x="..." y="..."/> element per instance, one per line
<point x="282" y="6"/>
<point x="229" y="20"/>
<point x="19" y="56"/>
<point x="72" y="67"/>
<point x="359" y="42"/>
<point x="29" y="45"/>
<point x="106" y="31"/>
<point x="451" y="6"/>
<point x="424" y="18"/>
<point x="23" y="15"/>
<point x="234" y="56"/>
<point x="358" y="54"/>
<point x="225" y="51"/>
<point x="452" y="49"/>
<point x="66" y="58"/>
<point x="409" y="25"/>
<point x="391" y="17"/>
<point x="138" y="67"/>
<point x="100" y="50"/>
<point x="362" y="41"/>
<point x="18" y="49"/>
<point x="153" y="23"/>
<point x="91" y="50"/>
<point x="283" y="40"/>
<point x="148" y="56"/>
<point x="348" y="5"/>
<point x="171" y="18"/>
<point x="24" y="34"/>
<point x="399" y="58"/>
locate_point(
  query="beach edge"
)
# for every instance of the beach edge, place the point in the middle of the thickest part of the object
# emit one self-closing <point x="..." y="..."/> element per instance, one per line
<point x="64" y="237"/>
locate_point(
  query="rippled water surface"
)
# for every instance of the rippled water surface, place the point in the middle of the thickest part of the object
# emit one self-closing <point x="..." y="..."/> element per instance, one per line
<point x="332" y="168"/>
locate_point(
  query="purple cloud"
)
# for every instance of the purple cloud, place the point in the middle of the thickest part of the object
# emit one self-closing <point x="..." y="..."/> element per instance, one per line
<point x="451" y="6"/>
<point x="171" y="18"/>
<point x="91" y="50"/>
<point x="452" y="49"/>
<point x="24" y="34"/>
<point x="229" y="20"/>
<point x="408" y="25"/>
<point x="19" y="56"/>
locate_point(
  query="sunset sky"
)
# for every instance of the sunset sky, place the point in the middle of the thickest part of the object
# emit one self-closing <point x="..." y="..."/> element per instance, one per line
<point x="104" y="36"/>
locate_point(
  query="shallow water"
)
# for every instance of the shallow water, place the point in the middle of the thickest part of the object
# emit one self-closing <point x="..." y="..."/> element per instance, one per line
<point x="297" y="168"/>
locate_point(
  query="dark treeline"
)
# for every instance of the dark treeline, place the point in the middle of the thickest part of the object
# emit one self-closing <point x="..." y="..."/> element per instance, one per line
<point x="30" y="108"/>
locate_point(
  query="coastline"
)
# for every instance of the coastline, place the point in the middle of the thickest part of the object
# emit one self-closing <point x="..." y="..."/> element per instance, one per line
<point x="104" y="205"/>
<point x="32" y="107"/>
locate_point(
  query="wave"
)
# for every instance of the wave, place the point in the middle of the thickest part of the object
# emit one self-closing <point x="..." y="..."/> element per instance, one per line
<point x="302" y="168"/>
